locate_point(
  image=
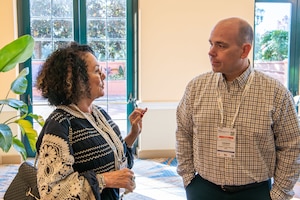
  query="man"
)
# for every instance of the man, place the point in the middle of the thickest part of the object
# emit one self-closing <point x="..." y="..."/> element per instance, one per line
<point x="237" y="128"/>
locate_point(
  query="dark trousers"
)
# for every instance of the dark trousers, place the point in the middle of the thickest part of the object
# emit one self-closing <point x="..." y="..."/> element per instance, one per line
<point x="201" y="189"/>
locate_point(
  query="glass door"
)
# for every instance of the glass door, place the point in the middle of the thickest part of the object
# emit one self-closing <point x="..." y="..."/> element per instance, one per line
<point x="106" y="33"/>
<point x="275" y="44"/>
<point x="54" y="23"/>
<point x="103" y="24"/>
<point x="272" y="33"/>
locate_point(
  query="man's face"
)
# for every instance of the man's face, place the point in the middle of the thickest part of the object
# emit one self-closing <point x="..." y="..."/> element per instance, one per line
<point x="225" y="52"/>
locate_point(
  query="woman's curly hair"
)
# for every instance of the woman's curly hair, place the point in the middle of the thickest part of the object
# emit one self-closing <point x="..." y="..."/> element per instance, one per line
<point x="63" y="78"/>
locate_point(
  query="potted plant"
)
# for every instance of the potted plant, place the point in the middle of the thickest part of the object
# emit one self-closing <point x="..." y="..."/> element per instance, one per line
<point x="17" y="51"/>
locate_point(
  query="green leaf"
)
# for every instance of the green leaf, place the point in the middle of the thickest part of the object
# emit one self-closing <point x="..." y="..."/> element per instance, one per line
<point x="13" y="53"/>
<point x="19" y="147"/>
<point x="17" y="51"/>
<point x="27" y="129"/>
<point x="16" y="104"/>
<point x="19" y="85"/>
<point x="5" y="137"/>
<point x="38" y="118"/>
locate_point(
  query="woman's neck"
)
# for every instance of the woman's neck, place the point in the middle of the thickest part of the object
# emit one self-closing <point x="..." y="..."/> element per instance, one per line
<point x="84" y="106"/>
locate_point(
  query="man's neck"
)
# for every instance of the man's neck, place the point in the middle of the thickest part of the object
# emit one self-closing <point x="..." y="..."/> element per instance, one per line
<point x="232" y="77"/>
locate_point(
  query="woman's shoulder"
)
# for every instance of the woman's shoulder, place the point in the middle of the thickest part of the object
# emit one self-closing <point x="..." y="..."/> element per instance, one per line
<point x="104" y="113"/>
<point x="57" y="124"/>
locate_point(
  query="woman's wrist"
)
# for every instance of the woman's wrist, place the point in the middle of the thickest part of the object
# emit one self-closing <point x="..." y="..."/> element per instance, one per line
<point x="129" y="140"/>
<point x="101" y="180"/>
<point x="129" y="146"/>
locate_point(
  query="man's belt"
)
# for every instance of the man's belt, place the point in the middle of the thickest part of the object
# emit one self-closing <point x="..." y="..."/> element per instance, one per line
<point x="237" y="188"/>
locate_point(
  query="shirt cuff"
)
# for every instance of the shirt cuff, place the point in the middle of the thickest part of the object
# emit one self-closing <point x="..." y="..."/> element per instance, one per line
<point x="187" y="178"/>
<point x="277" y="194"/>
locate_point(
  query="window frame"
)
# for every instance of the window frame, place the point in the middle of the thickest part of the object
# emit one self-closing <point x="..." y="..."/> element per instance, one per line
<point x="80" y="35"/>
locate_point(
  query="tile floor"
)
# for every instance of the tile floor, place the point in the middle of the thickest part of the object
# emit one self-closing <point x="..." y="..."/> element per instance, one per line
<point x="164" y="183"/>
<point x="156" y="179"/>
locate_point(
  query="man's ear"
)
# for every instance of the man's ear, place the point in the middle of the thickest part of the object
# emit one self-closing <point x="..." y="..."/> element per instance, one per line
<point x="246" y="49"/>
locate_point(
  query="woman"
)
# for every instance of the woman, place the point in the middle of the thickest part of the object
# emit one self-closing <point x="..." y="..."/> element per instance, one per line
<point x="82" y="154"/>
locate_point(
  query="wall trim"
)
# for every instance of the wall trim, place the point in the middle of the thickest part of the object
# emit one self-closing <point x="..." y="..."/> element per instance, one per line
<point x="164" y="153"/>
<point x="158" y="105"/>
<point x="11" y="159"/>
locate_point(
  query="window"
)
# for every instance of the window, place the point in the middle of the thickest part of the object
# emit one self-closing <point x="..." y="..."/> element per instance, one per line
<point x="276" y="48"/>
<point x="108" y="26"/>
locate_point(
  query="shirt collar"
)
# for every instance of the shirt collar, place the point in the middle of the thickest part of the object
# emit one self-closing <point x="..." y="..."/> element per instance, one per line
<point x="242" y="79"/>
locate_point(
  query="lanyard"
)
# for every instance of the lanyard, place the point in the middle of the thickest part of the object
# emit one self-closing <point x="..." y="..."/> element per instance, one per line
<point x="220" y="102"/>
<point x="107" y="133"/>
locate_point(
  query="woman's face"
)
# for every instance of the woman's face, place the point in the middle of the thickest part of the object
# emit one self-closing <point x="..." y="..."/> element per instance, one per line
<point x="96" y="77"/>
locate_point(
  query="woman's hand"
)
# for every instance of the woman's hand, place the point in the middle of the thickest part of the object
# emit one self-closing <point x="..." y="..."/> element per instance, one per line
<point x="135" y="119"/>
<point x="123" y="178"/>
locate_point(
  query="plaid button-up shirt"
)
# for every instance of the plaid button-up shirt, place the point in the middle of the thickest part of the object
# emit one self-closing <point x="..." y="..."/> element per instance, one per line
<point x="267" y="132"/>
